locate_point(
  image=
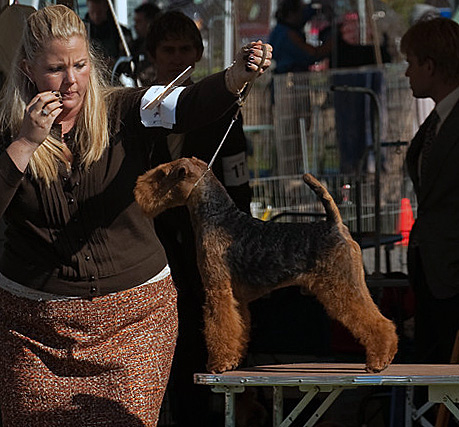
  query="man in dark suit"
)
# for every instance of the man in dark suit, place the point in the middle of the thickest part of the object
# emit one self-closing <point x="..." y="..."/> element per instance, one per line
<point x="432" y="51"/>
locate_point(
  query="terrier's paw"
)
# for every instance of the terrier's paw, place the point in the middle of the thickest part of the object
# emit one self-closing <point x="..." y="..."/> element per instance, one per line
<point x="220" y="366"/>
<point x="375" y="368"/>
<point x="377" y="362"/>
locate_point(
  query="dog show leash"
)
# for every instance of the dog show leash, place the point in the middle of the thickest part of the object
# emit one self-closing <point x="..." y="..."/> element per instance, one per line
<point x="244" y="93"/>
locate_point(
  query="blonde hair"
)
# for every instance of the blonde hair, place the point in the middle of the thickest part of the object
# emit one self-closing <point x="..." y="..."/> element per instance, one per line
<point x="91" y="126"/>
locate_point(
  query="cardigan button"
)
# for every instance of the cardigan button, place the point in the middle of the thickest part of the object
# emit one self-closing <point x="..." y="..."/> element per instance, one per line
<point x="93" y="290"/>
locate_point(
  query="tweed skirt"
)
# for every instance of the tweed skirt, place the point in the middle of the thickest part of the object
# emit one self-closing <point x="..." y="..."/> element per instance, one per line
<point x="79" y="362"/>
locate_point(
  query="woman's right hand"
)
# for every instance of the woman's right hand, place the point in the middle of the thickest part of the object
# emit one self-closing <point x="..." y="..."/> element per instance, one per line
<point x="39" y="116"/>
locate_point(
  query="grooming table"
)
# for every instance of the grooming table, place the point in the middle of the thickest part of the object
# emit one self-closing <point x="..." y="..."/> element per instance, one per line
<point x="332" y="378"/>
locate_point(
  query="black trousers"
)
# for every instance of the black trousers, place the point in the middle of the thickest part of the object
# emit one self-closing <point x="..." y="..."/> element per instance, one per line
<point x="436" y="320"/>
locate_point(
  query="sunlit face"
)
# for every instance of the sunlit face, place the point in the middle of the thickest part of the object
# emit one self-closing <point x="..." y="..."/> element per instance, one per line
<point x="64" y="67"/>
<point x="174" y="56"/>
<point x="420" y="76"/>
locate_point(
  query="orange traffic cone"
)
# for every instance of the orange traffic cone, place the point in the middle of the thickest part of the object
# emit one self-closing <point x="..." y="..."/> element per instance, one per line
<point x="405" y="221"/>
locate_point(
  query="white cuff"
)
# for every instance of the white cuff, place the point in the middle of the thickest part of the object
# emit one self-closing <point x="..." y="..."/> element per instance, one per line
<point x="164" y="114"/>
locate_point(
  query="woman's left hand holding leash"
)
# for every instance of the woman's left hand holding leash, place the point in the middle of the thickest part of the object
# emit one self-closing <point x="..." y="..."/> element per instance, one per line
<point x="257" y="56"/>
<point x="254" y="57"/>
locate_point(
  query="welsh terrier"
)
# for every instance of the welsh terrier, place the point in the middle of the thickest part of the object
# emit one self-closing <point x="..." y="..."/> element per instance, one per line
<point x="241" y="258"/>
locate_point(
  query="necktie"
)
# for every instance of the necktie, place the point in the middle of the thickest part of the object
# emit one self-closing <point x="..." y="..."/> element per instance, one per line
<point x="429" y="138"/>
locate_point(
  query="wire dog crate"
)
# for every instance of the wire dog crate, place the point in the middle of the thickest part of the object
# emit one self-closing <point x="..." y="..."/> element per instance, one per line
<point x="310" y="128"/>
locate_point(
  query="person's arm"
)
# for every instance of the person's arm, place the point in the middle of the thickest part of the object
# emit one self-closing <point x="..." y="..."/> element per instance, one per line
<point x="207" y="100"/>
<point x="10" y="179"/>
<point x="204" y="102"/>
<point x="34" y="130"/>
<point x="20" y="151"/>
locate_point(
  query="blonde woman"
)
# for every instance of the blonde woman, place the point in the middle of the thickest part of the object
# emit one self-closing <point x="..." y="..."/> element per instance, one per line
<point x="88" y="316"/>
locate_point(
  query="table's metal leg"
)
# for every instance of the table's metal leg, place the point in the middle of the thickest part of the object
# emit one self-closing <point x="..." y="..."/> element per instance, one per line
<point x="323" y="407"/>
<point x="230" y="403"/>
<point x="448" y="394"/>
<point x="409" y="406"/>
<point x="416" y="414"/>
<point x="230" y="409"/>
<point x="311" y="393"/>
<point x="451" y="406"/>
<point x="278" y="405"/>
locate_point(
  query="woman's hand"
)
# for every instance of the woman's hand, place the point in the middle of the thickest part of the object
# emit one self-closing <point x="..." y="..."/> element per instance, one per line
<point x="254" y="57"/>
<point x="39" y="116"/>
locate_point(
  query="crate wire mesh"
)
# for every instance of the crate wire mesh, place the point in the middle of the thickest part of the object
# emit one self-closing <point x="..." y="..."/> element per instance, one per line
<point x="273" y="196"/>
<point x="303" y="132"/>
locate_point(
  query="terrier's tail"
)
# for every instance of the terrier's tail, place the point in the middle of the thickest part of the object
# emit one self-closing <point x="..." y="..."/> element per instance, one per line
<point x="331" y="209"/>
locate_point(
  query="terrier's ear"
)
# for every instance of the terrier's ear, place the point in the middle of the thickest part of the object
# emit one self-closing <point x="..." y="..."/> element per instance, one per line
<point x="178" y="173"/>
<point x="181" y="172"/>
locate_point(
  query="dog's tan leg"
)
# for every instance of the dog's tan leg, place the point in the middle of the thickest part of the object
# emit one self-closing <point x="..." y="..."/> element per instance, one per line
<point x="224" y="329"/>
<point x="363" y="319"/>
<point x="346" y="298"/>
<point x="245" y="316"/>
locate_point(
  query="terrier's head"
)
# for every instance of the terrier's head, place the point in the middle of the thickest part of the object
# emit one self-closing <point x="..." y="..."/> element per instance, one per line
<point x="168" y="185"/>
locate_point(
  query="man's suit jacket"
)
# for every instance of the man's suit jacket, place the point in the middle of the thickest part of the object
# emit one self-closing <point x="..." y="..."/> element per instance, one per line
<point x="436" y="230"/>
